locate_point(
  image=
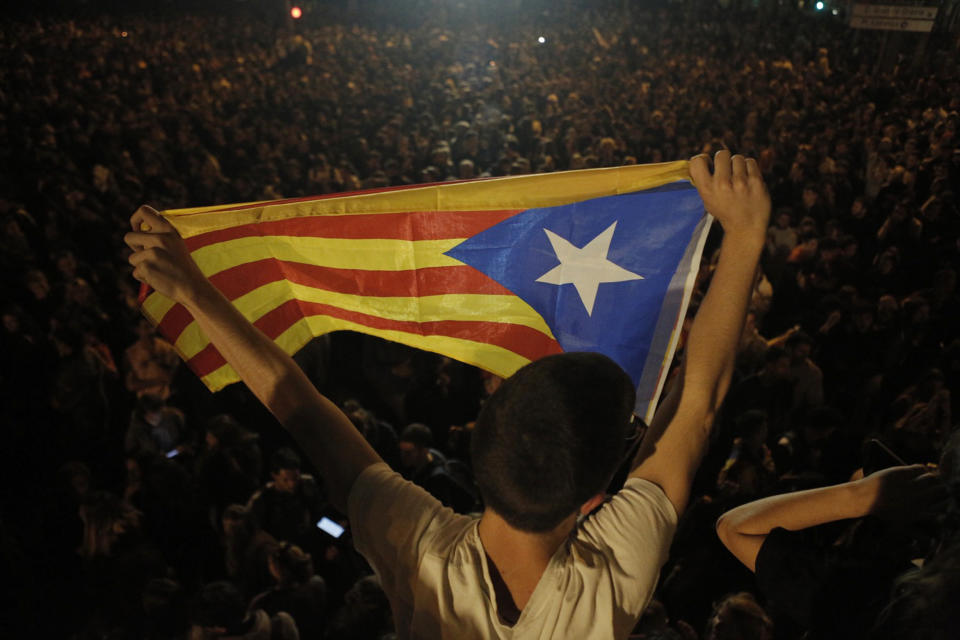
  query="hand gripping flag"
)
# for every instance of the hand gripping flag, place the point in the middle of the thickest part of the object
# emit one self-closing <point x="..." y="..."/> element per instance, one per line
<point x="495" y="273"/>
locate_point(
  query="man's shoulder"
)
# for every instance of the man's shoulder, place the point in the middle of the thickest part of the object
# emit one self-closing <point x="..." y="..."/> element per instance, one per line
<point x="639" y="511"/>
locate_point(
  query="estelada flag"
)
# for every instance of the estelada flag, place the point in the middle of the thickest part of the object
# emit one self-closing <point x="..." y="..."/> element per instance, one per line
<point x="495" y="272"/>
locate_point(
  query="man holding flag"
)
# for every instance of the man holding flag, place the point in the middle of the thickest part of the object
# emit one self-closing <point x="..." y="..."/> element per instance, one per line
<point x="547" y="558"/>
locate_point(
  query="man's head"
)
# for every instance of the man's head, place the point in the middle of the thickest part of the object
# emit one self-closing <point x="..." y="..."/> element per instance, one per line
<point x="777" y="363"/>
<point x="550" y="438"/>
<point x="235" y="519"/>
<point x="285" y="470"/>
<point x="414" y="444"/>
<point x="150" y="408"/>
<point x="799" y="346"/>
<point x="784" y="217"/>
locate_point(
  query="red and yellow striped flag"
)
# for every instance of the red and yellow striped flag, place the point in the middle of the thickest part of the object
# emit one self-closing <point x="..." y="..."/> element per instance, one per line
<point x="404" y="264"/>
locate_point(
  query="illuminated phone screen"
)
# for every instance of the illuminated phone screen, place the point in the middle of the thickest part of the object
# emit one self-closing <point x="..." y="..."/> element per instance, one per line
<point x="331" y="527"/>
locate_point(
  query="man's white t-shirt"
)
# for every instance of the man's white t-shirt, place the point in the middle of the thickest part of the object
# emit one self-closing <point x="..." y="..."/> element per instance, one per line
<point x="434" y="569"/>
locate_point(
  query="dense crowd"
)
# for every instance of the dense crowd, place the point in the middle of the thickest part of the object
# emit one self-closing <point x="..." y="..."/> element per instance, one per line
<point x="138" y="504"/>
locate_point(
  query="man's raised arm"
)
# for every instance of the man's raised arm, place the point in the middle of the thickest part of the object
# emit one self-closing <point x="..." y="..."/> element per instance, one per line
<point x="898" y="494"/>
<point x="671" y="452"/>
<point x="328" y="438"/>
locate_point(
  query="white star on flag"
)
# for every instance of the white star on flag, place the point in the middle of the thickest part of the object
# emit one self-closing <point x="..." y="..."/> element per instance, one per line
<point x="585" y="268"/>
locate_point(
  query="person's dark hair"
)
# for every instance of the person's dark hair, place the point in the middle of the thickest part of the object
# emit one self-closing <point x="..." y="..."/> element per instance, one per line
<point x="418" y="434"/>
<point x="293" y="563"/>
<point x="365" y="612"/>
<point x="784" y="210"/>
<point x="219" y="604"/>
<point x="739" y="617"/>
<point x="226" y="430"/>
<point x="750" y="422"/>
<point x="164" y="608"/>
<point x="106" y="519"/>
<point x="284" y="458"/>
<point x="240" y="514"/>
<point x="550" y="438"/>
<point x="774" y="353"/>
<point x="923" y="606"/>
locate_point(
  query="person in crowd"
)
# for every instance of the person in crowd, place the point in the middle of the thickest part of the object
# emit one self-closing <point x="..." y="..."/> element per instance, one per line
<point x="119" y="561"/>
<point x="218" y="611"/>
<point x="365" y="613"/>
<point x="151" y="363"/>
<point x="298" y="591"/>
<point x="832" y="590"/>
<point x="805" y="375"/>
<point x="229" y="466"/>
<point x="164" y="610"/>
<point x="528" y="514"/>
<point x="246" y="551"/>
<point x="379" y="434"/>
<point x="739" y="617"/>
<point x="155" y="427"/>
<point x="427" y="467"/>
<point x="749" y="470"/>
<point x="290" y="505"/>
<point x="769" y="390"/>
<point x="923" y="607"/>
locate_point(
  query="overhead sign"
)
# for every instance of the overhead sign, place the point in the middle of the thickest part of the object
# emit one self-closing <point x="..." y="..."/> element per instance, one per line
<point x="889" y="17"/>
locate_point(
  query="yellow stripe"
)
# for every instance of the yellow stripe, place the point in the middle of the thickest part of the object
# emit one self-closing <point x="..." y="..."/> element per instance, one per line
<point x="463" y="307"/>
<point x="497" y="360"/>
<point x="370" y="254"/>
<point x="156" y="306"/>
<point x="512" y="192"/>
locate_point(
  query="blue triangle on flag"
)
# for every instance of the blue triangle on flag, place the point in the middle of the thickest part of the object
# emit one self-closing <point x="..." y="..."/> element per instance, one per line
<point x="653" y="230"/>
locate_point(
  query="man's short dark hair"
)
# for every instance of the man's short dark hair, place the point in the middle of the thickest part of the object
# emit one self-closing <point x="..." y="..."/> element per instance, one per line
<point x="284" y="458"/>
<point x="418" y="434"/>
<point x="551" y="437"/>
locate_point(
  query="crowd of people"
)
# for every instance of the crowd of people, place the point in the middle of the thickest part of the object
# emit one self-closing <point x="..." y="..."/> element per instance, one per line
<point x="140" y="505"/>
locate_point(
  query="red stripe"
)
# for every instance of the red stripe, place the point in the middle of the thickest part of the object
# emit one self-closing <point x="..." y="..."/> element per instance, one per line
<point x="340" y="194"/>
<point x="428" y="281"/>
<point x="522" y="340"/>
<point x="414" y="225"/>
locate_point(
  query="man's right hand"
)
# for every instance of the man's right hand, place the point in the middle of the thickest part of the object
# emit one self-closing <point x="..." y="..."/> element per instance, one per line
<point x="904" y="494"/>
<point x="161" y="259"/>
<point x="734" y="193"/>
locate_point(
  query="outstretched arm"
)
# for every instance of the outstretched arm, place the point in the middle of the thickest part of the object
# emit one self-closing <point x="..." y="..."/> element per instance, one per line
<point x="328" y="438"/>
<point x="736" y="196"/>
<point x="900" y="493"/>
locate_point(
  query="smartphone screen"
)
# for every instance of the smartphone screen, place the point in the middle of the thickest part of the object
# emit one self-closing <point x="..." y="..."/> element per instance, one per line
<point x="331" y="527"/>
<point x="173" y="453"/>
